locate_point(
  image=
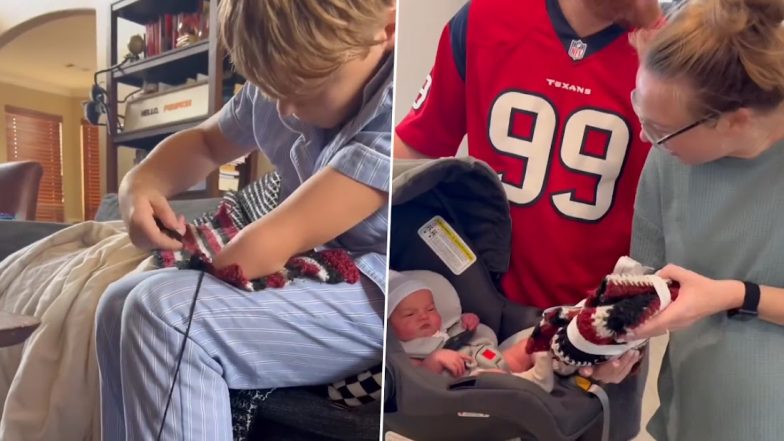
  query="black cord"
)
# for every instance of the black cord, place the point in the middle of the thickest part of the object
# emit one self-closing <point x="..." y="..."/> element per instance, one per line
<point x="182" y="352"/>
<point x="109" y="69"/>
<point x="101" y="93"/>
<point x="125" y="100"/>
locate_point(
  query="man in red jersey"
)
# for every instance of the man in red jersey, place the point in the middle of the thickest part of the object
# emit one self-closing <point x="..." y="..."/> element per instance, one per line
<point x="541" y="88"/>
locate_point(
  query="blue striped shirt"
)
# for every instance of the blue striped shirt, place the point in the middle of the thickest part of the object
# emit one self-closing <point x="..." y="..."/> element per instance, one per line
<point x="361" y="150"/>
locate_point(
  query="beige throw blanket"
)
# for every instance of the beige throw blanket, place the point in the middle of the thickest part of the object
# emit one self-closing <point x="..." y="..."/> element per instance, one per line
<point x="50" y="384"/>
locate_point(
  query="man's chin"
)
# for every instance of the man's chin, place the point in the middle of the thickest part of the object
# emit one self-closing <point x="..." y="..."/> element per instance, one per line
<point x="638" y="23"/>
<point x="643" y="18"/>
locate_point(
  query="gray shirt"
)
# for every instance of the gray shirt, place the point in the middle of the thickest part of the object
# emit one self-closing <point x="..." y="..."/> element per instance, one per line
<point x="361" y="150"/>
<point x="721" y="379"/>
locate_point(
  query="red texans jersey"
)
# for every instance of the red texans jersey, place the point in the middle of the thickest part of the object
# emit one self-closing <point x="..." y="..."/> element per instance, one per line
<point x="551" y="113"/>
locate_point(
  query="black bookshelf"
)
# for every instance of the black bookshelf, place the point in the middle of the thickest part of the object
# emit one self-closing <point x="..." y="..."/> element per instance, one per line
<point x="171" y="67"/>
<point x="142" y="11"/>
<point x="168" y="67"/>
<point x="147" y="139"/>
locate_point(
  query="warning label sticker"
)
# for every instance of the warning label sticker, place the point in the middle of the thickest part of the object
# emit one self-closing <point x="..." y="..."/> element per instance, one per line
<point x="448" y="246"/>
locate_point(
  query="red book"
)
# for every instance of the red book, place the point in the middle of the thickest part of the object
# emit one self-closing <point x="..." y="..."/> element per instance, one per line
<point x="168" y="26"/>
<point x="147" y="40"/>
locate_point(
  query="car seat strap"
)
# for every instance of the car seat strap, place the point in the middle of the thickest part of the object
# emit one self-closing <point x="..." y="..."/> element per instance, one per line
<point x="597" y="391"/>
<point x="605" y="400"/>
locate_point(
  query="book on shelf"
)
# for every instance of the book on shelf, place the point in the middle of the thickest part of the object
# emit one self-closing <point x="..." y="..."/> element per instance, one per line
<point x="229" y="177"/>
<point x="171" y="31"/>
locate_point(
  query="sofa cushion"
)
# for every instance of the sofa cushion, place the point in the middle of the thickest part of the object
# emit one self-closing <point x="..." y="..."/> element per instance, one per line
<point x="190" y="208"/>
<point x="15" y="235"/>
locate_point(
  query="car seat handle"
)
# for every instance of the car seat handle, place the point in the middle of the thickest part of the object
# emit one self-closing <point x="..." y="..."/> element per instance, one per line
<point x="490" y="381"/>
<point x="493" y="380"/>
<point x="463" y="383"/>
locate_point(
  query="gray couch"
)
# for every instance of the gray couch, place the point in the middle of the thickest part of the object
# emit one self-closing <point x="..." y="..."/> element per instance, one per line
<point x="15" y="235"/>
<point x="293" y="414"/>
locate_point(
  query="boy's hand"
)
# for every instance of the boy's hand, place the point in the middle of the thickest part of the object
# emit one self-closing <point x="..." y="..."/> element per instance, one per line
<point x="452" y="361"/>
<point x="470" y="321"/>
<point x="139" y="209"/>
<point x="325" y="206"/>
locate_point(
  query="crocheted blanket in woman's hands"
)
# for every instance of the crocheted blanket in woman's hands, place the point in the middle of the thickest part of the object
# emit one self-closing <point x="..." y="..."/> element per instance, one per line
<point x="595" y="331"/>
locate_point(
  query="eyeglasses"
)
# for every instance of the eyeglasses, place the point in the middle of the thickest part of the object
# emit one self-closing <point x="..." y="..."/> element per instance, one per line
<point x="659" y="141"/>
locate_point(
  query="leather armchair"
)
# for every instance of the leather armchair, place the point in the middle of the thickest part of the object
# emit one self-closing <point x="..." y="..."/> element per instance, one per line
<point x="19" y="182"/>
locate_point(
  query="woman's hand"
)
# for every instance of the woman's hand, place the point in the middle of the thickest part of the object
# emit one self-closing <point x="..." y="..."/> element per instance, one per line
<point x="698" y="297"/>
<point x="614" y="371"/>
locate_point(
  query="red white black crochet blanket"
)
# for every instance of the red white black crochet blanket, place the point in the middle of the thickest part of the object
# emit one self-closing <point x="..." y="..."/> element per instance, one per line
<point x="595" y="330"/>
<point x="208" y="234"/>
<point x="201" y="242"/>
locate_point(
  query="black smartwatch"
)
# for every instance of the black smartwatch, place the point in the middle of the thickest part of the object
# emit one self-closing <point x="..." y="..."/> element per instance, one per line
<point x="749" y="309"/>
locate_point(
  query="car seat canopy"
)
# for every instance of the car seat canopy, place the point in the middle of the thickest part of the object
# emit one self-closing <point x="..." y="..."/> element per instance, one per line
<point x="467" y="189"/>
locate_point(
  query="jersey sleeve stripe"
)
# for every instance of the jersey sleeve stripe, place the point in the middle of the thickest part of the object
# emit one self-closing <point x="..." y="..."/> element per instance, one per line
<point x="458" y="28"/>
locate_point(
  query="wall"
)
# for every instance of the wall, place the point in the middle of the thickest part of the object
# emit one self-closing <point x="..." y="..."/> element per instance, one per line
<point x="15" y="19"/>
<point x="70" y="109"/>
<point x="419" y="28"/>
<point x="12" y="14"/>
<point x="76" y="177"/>
<point x="102" y="21"/>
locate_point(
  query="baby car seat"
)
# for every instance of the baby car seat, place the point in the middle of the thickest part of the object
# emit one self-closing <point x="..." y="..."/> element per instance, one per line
<point x="451" y="216"/>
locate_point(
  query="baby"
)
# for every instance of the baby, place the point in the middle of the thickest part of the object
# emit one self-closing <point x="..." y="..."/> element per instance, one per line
<point x="413" y="315"/>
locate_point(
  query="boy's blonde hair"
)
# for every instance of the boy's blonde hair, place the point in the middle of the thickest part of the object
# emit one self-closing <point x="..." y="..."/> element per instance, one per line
<point x="288" y="48"/>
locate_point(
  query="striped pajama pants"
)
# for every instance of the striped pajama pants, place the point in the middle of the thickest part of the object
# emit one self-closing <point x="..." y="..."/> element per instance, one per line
<point x="306" y="333"/>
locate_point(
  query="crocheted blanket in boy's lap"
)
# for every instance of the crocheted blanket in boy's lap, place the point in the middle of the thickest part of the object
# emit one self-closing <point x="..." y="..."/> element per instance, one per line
<point x="201" y="242"/>
<point x="208" y="234"/>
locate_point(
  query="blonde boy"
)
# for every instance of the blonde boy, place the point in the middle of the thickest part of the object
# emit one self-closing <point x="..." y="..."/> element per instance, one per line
<point x="318" y="102"/>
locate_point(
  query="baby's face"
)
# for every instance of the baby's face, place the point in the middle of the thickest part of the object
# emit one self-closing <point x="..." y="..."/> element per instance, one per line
<point x="416" y="316"/>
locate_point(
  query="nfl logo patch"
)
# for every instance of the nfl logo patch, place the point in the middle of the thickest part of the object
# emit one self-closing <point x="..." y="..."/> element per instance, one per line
<point x="577" y="50"/>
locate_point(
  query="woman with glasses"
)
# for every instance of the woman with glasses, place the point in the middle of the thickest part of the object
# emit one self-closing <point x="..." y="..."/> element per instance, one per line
<point x="710" y="94"/>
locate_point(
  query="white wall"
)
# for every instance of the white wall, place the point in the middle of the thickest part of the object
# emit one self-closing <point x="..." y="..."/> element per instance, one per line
<point x="419" y="27"/>
<point x="13" y="13"/>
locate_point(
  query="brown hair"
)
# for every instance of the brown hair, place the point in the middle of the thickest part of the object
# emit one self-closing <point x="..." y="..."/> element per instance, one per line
<point x="731" y="51"/>
<point x="289" y="47"/>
